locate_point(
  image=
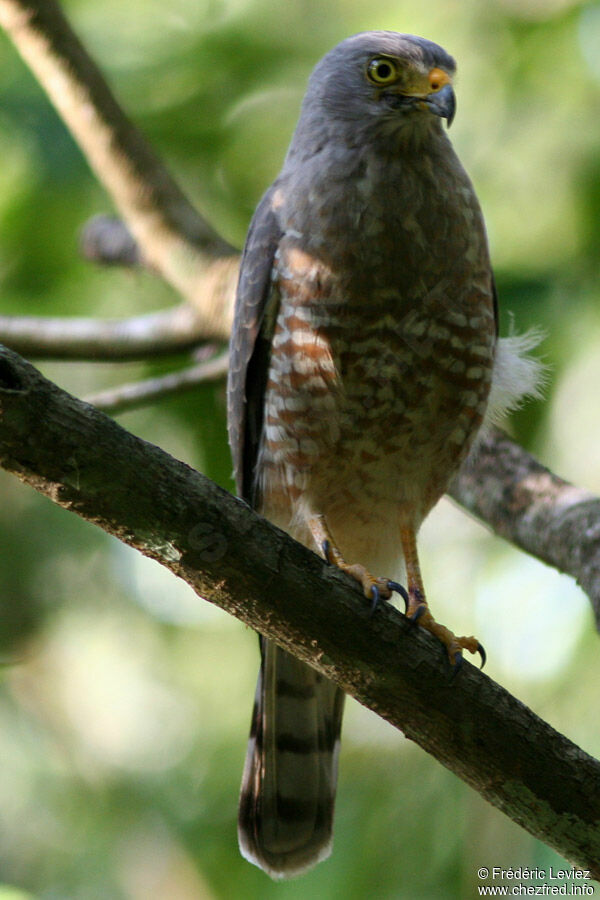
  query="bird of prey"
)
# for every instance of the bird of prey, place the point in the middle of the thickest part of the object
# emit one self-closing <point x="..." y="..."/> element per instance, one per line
<point x="364" y="358"/>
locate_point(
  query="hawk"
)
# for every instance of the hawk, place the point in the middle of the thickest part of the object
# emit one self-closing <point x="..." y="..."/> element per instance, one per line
<point x="364" y="360"/>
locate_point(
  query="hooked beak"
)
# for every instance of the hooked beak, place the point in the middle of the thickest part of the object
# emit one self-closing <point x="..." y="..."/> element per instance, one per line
<point x="443" y="103"/>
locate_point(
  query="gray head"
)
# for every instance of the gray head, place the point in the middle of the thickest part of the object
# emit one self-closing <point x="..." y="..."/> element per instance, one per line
<point x="378" y="81"/>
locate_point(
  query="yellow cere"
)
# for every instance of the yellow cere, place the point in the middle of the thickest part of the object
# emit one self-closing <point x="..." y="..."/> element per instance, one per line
<point x="438" y="79"/>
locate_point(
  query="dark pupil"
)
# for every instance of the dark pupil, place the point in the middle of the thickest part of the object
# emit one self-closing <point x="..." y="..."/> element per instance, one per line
<point x="384" y="70"/>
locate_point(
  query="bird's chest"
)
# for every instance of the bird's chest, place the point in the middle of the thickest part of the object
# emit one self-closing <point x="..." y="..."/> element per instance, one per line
<point x="382" y="350"/>
<point x="374" y="387"/>
<point x="388" y="223"/>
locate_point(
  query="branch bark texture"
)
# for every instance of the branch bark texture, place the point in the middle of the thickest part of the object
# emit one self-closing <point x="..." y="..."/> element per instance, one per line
<point x="536" y="510"/>
<point x="88" y="464"/>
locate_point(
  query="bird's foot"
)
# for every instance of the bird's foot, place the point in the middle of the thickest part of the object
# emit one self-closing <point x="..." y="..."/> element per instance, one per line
<point x="375" y="588"/>
<point x="417" y="611"/>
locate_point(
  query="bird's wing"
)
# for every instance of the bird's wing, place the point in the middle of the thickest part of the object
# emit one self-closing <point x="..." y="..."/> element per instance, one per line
<point x="250" y="346"/>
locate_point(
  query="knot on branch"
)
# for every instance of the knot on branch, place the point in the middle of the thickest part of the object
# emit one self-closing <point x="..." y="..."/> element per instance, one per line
<point x="108" y="241"/>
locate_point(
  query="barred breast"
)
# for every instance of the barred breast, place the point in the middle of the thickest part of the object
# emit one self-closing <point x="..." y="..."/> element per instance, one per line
<point x="372" y="402"/>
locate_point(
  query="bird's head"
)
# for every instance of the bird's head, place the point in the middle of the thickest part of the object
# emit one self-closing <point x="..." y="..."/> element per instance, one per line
<point x="382" y="76"/>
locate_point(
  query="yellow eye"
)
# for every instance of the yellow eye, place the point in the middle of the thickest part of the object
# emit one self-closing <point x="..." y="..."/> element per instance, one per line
<point x="382" y="70"/>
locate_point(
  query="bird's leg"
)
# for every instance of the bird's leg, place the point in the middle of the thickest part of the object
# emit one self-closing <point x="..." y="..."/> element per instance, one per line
<point x="374" y="588"/>
<point x="417" y="609"/>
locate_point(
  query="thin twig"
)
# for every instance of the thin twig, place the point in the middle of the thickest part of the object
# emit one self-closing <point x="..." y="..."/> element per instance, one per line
<point x="162" y="333"/>
<point x="142" y="393"/>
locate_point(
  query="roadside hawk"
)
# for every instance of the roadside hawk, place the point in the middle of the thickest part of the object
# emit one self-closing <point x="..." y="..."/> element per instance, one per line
<point x="364" y="357"/>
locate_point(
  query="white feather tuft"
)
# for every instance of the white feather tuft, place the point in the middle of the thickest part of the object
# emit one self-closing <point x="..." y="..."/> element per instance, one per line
<point x="517" y="376"/>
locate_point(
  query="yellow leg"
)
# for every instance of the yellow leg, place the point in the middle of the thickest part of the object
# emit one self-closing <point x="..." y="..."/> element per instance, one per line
<point x="374" y="587"/>
<point x="418" y="610"/>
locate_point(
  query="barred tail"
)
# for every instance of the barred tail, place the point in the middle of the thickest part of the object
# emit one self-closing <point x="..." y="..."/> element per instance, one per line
<point x="287" y="798"/>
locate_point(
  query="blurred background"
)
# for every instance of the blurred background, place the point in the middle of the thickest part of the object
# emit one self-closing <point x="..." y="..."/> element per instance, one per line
<point x="125" y="700"/>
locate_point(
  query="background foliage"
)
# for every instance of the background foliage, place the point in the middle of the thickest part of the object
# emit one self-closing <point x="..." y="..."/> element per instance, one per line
<point x="125" y="700"/>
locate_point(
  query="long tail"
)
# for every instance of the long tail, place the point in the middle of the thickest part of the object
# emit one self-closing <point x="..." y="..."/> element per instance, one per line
<point x="287" y="798"/>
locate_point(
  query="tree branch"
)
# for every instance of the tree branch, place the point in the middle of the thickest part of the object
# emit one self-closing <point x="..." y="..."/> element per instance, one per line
<point x="162" y="333"/>
<point x="141" y="393"/>
<point x="67" y="450"/>
<point x="107" y="240"/>
<point x="173" y="238"/>
<point x="539" y="512"/>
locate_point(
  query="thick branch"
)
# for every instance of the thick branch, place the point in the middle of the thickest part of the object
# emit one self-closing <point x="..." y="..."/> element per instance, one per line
<point x="536" y="510"/>
<point x="173" y="238"/>
<point x="86" y="463"/>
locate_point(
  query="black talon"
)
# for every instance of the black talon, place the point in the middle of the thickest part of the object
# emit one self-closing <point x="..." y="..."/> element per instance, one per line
<point x="375" y="600"/>
<point x="482" y="653"/>
<point x="394" y="586"/>
<point x="417" y="614"/>
<point x="326" y="548"/>
<point x="458" y="661"/>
